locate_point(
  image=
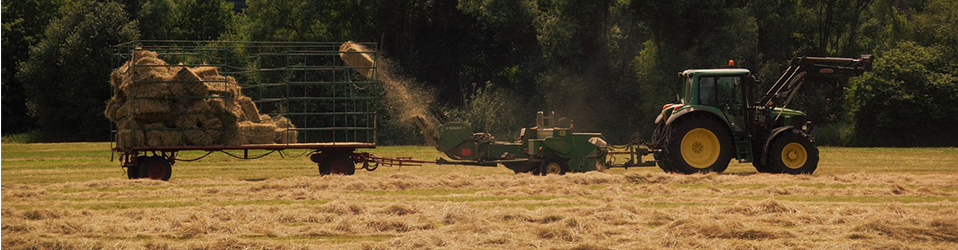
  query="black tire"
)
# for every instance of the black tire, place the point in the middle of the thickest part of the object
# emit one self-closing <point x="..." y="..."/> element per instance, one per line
<point x="553" y="165"/>
<point x="155" y="168"/>
<point x="761" y="168"/>
<point x="799" y="152"/>
<point x="662" y="163"/>
<point x="660" y="133"/>
<point x="671" y="154"/>
<point x="339" y="164"/>
<point x="133" y="171"/>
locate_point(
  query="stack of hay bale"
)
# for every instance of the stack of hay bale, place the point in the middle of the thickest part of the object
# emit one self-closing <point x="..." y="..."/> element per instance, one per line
<point x="157" y="104"/>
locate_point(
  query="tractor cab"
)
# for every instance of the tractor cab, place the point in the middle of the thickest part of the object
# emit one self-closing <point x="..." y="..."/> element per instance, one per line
<point x="722" y="92"/>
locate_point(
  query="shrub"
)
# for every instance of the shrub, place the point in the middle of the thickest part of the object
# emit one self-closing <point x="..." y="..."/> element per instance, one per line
<point x="909" y="99"/>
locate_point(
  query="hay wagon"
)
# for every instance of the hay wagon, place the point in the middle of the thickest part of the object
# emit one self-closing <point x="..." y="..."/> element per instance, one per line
<point x="238" y="97"/>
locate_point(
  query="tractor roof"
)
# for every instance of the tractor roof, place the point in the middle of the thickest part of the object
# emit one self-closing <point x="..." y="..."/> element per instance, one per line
<point x="715" y="72"/>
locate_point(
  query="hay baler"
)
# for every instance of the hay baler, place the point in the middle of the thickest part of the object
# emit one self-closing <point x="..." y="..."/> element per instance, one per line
<point x="551" y="147"/>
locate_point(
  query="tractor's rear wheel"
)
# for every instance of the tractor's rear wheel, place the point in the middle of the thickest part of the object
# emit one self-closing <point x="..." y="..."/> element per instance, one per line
<point x="696" y="144"/>
<point x="553" y="165"/>
<point x="156" y="168"/>
<point x="792" y="152"/>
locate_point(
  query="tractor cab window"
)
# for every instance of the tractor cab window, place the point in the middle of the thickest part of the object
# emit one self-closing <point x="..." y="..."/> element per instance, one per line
<point x="687" y="89"/>
<point x="707" y="91"/>
<point x="728" y="91"/>
<point x="719" y="91"/>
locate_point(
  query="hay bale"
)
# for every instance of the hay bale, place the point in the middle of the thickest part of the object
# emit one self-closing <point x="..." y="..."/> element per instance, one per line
<point x="126" y="138"/>
<point x="352" y="54"/>
<point x="203" y="137"/>
<point x="223" y="85"/>
<point x="250" y="112"/>
<point x="147" y="89"/>
<point x="257" y="133"/>
<point x="188" y="83"/>
<point x="163" y="138"/>
<point x="284" y="132"/>
<point x="201" y="129"/>
<point x="163" y="101"/>
<point x="148" y="65"/>
<point x="205" y="72"/>
<point x="226" y="106"/>
<point x="113" y="108"/>
<point x="144" y="106"/>
<point x="157" y="134"/>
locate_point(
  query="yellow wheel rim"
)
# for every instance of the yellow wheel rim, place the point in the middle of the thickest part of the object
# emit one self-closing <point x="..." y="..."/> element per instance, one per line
<point x="794" y="155"/>
<point x="553" y="168"/>
<point x="700" y="148"/>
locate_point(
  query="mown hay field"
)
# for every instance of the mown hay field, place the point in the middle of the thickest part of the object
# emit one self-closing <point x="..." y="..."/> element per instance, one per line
<point x="70" y="196"/>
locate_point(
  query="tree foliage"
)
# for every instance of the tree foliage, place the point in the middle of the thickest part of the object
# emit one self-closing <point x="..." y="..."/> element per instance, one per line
<point x="66" y="77"/>
<point x="608" y="64"/>
<point x="23" y="24"/>
<point x="183" y="19"/>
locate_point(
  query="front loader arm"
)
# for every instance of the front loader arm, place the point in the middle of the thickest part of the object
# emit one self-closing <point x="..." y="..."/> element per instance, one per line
<point x="801" y="68"/>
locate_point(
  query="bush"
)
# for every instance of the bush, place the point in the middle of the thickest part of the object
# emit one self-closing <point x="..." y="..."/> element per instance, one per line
<point x="909" y="99"/>
<point x="495" y="111"/>
<point x="833" y="134"/>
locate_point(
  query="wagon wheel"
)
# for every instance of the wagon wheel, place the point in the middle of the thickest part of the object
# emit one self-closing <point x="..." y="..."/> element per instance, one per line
<point x="340" y="164"/>
<point x="133" y="170"/>
<point x="156" y="168"/>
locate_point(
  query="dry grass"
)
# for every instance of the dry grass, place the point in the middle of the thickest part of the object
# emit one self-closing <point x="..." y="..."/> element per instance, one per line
<point x="218" y="204"/>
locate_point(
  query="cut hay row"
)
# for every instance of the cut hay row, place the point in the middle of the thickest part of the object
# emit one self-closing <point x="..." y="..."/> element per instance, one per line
<point x="158" y="104"/>
<point x="646" y="210"/>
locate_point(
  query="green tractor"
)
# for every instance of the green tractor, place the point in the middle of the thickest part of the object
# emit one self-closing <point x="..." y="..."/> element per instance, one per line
<point x="716" y="120"/>
<point x="551" y="147"/>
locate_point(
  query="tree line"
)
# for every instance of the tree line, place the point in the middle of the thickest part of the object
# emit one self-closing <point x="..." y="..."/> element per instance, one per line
<point x="608" y="65"/>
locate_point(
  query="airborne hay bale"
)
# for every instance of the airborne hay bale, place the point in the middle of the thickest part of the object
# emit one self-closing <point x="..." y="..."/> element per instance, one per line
<point x="353" y="54"/>
<point x="185" y="106"/>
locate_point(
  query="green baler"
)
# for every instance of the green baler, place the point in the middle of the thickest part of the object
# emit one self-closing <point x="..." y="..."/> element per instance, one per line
<point x="551" y="147"/>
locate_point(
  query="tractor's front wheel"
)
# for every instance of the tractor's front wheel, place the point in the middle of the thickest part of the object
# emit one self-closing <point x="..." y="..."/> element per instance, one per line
<point x="792" y="152"/>
<point x="696" y="144"/>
